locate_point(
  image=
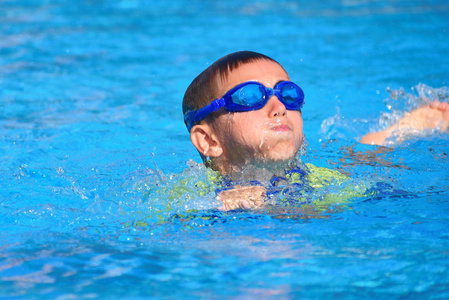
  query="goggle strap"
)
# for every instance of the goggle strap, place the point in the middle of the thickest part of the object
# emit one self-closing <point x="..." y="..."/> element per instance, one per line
<point x="217" y="104"/>
<point x="213" y="106"/>
<point x="194" y="117"/>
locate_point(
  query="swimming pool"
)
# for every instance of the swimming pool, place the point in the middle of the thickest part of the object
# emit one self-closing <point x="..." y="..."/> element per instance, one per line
<point x="90" y="111"/>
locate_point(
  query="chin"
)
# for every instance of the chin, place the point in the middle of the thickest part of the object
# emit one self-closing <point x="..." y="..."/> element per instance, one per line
<point x="281" y="153"/>
<point x="280" y="157"/>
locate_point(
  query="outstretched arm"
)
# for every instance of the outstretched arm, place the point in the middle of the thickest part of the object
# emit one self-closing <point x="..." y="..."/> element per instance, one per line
<point x="425" y="117"/>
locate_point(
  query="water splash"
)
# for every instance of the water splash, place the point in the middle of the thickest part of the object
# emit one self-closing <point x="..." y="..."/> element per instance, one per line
<point x="422" y="94"/>
<point x="156" y="196"/>
<point x="398" y="104"/>
<point x="340" y="127"/>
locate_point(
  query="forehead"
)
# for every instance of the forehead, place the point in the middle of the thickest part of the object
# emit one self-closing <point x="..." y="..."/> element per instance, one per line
<point x="264" y="71"/>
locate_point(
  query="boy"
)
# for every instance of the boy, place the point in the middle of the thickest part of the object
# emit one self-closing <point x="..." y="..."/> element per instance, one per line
<point x="255" y="122"/>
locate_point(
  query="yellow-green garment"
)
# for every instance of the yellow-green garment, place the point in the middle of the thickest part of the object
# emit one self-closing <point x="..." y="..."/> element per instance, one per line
<point x="338" y="188"/>
<point x="322" y="186"/>
<point x="195" y="189"/>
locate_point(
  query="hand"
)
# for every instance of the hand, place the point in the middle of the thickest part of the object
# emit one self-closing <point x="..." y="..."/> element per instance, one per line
<point x="429" y="116"/>
<point x="245" y="197"/>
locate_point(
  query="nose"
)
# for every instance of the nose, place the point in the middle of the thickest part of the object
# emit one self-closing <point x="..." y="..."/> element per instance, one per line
<point x="275" y="107"/>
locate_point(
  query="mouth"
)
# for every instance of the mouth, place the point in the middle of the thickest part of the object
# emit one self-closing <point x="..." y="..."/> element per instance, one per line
<point x="280" y="128"/>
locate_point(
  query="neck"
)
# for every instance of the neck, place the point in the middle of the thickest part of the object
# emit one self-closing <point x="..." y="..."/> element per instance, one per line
<point x="254" y="170"/>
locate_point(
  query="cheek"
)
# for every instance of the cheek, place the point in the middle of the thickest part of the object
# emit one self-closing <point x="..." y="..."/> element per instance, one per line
<point x="297" y="122"/>
<point x="249" y="126"/>
<point x="234" y="129"/>
<point x="243" y="132"/>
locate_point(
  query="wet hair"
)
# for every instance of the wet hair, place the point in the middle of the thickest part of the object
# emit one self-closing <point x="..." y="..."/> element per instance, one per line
<point x="204" y="88"/>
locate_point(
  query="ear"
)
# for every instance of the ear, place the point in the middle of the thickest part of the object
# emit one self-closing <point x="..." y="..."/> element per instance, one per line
<point x="205" y="140"/>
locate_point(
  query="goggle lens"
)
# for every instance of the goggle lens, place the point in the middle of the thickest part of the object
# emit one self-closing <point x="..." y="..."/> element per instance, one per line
<point x="254" y="95"/>
<point x="290" y="94"/>
<point x="249" y="95"/>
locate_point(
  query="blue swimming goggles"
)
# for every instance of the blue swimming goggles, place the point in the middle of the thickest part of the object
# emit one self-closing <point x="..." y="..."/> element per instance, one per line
<point x="250" y="95"/>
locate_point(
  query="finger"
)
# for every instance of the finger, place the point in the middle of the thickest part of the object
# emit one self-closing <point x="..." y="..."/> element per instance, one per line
<point x="443" y="106"/>
<point x="245" y="204"/>
<point x="435" y="104"/>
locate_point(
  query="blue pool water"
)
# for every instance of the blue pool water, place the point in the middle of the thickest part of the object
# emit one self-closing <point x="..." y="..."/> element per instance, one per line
<point x="90" y="120"/>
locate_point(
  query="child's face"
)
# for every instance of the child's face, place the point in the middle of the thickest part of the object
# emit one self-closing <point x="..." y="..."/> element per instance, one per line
<point x="271" y="133"/>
